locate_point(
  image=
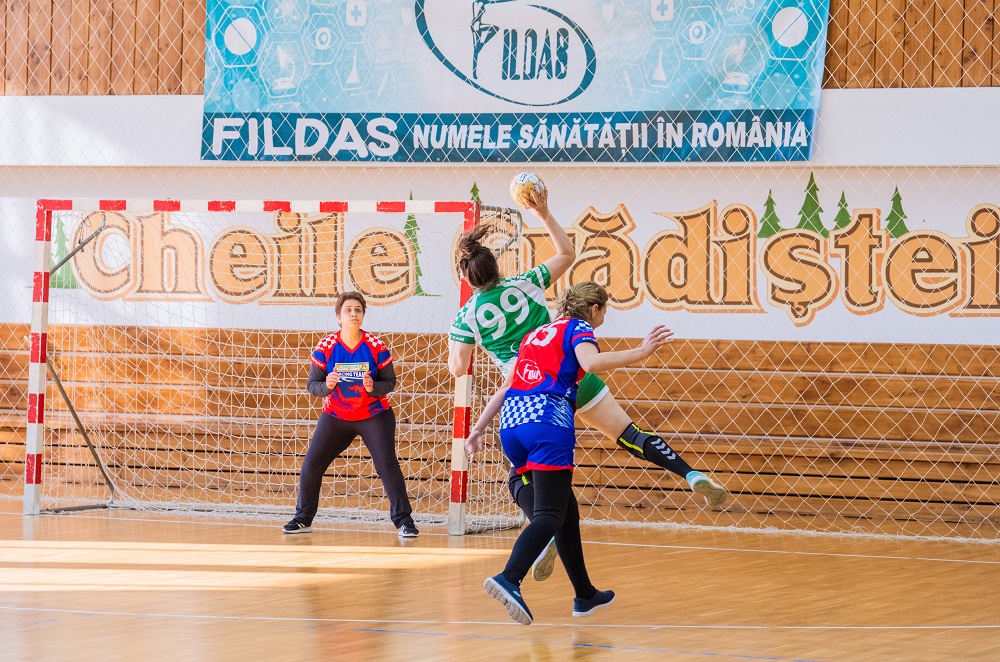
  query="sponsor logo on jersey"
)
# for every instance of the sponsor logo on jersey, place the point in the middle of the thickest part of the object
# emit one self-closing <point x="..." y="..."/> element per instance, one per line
<point x="529" y="372"/>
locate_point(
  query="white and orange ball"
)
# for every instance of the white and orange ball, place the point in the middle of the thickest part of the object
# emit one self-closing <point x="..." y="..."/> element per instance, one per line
<point x="523" y="184"/>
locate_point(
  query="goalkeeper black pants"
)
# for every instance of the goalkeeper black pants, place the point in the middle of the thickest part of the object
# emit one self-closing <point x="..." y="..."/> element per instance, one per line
<point x="331" y="438"/>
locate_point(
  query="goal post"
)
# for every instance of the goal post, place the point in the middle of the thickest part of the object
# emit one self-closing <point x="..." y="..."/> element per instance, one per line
<point x="190" y="375"/>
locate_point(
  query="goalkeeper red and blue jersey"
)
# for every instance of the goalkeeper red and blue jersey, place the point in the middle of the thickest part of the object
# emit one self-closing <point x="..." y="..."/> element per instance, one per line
<point x="546" y="375"/>
<point x="349" y="400"/>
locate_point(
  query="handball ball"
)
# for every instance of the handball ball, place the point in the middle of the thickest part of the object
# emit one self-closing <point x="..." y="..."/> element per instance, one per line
<point x="523" y="184"/>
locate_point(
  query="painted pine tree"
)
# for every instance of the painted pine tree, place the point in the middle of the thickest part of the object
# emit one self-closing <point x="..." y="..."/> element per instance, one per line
<point x="843" y="218"/>
<point x="895" y="222"/>
<point x="769" y="222"/>
<point x="809" y="213"/>
<point x="475" y="193"/>
<point x="410" y="229"/>
<point x="64" y="278"/>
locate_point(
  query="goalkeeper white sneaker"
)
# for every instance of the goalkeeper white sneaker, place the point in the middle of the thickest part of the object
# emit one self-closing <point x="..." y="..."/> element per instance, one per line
<point x="543" y="566"/>
<point x="715" y="495"/>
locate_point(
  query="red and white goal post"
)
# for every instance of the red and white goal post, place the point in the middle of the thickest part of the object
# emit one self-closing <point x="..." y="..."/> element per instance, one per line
<point x="158" y="439"/>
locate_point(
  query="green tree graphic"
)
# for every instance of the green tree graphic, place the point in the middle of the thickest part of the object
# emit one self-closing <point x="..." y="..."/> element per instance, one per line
<point x="64" y="278"/>
<point x="843" y="218"/>
<point x="410" y="228"/>
<point x="895" y="222"/>
<point x="475" y="193"/>
<point x="809" y="214"/>
<point x="769" y="222"/>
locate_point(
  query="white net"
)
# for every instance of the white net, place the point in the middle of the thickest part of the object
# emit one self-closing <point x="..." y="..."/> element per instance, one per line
<point x="194" y="401"/>
<point x="182" y="340"/>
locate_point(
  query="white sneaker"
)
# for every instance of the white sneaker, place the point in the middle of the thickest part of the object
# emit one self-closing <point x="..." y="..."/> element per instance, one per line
<point x="715" y="495"/>
<point x="543" y="566"/>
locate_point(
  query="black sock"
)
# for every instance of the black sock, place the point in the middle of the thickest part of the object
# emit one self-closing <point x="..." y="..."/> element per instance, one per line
<point x="650" y="447"/>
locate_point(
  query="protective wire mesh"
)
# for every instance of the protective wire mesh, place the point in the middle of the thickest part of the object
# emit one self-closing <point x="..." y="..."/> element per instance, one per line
<point x="195" y="397"/>
<point x="833" y="431"/>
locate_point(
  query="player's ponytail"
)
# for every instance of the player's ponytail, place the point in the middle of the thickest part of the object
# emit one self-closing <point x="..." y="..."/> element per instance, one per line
<point x="576" y="301"/>
<point x="477" y="262"/>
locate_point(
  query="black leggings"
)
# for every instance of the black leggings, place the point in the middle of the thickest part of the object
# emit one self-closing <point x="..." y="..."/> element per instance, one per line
<point x="331" y="438"/>
<point x="555" y="513"/>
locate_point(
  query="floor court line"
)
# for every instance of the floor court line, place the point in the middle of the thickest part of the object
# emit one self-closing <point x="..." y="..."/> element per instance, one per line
<point x="327" y="624"/>
<point x="571" y="626"/>
<point x="699" y="548"/>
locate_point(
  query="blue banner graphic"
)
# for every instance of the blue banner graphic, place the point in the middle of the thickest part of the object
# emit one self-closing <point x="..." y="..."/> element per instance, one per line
<point x="513" y="80"/>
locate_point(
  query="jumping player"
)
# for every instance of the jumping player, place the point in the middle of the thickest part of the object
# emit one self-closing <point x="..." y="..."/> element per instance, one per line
<point x="352" y="371"/>
<point x="539" y="439"/>
<point x="497" y="317"/>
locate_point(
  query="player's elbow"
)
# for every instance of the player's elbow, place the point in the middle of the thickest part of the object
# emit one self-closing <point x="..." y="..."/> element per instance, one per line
<point x="459" y="357"/>
<point x="456" y="366"/>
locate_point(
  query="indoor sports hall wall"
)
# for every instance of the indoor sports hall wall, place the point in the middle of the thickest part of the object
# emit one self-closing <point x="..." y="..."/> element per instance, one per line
<point x="838" y="374"/>
<point x="152" y="47"/>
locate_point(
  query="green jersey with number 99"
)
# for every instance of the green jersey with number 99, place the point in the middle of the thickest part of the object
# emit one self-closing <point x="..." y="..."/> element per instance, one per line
<point x="499" y="318"/>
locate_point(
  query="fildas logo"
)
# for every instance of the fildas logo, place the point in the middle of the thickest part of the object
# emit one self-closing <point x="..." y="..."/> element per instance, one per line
<point x="517" y="51"/>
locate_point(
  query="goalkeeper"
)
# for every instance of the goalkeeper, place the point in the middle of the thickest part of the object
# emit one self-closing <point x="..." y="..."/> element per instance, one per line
<point x="502" y="311"/>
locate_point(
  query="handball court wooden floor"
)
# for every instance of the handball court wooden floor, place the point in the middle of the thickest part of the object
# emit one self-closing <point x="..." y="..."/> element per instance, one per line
<point x="125" y="585"/>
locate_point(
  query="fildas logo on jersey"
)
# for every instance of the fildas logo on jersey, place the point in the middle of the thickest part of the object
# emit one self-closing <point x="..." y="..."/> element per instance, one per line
<point x="518" y="51"/>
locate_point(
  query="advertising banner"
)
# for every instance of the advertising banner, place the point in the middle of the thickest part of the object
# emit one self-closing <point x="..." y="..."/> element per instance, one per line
<point x="830" y="255"/>
<point x="513" y="80"/>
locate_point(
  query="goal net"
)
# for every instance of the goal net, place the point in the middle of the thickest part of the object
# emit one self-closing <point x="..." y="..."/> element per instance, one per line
<point x="181" y="333"/>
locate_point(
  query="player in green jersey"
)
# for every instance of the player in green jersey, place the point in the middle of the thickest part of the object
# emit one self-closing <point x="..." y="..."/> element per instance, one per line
<point x="501" y="312"/>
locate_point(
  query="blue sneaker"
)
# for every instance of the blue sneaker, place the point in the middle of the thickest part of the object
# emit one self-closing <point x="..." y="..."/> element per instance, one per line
<point x="585" y="607"/>
<point x="509" y="596"/>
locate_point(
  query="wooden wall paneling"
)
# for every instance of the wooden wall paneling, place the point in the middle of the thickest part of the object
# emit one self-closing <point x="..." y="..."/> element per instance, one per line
<point x="948" y="43"/>
<point x="16" y="43"/>
<point x="3" y="47"/>
<point x="39" y="74"/>
<point x="835" y="66"/>
<point x="59" y="44"/>
<point x="146" y="43"/>
<point x="977" y="35"/>
<point x="123" y="46"/>
<point x="79" y="62"/>
<point x="861" y="33"/>
<point x="170" y="41"/>
<point x="99" y="48"/>
<point x="995" y="48"/>
<point x="193" y="48"/>
<point x="918" y="44"/>
<point x="62" y="47"/>
<point x="890" y="33"/>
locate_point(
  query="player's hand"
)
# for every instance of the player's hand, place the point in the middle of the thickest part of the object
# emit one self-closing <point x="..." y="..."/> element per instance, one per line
<point x="332" y="379"/>
<point x="368" y="382"/>
<point x="537" y="202"/>
<point x="659" y="336"/>
<point x="474" y="444"/>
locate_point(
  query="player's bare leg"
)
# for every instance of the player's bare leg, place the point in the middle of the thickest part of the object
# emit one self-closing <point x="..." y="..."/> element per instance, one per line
<point x="608" y="417"/>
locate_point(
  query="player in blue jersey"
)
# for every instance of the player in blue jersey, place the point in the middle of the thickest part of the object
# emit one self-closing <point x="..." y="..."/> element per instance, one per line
<point x="500" y="313"/>
<point x="352" y="371"/>
<point x="539" y="438"/>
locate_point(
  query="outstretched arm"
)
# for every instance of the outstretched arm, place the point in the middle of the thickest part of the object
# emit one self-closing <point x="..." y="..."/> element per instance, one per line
<point x="558" y="264"/>
<point x="593" y="360"/>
